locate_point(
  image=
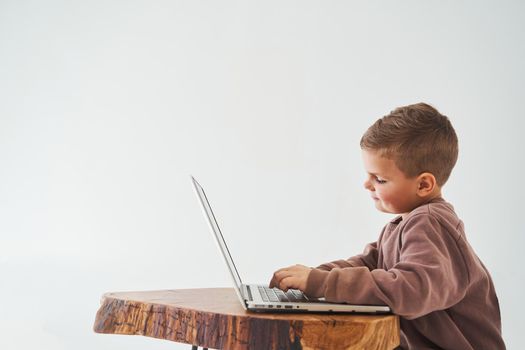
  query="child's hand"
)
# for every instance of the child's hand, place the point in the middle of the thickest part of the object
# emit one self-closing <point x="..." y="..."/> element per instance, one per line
<point x="294" y="277"/>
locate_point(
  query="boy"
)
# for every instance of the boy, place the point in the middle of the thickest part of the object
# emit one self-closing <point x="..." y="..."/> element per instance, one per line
<point x="422" y="265"/>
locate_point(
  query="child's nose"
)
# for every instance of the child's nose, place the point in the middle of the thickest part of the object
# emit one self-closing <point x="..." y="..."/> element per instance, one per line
<point x="368" y="185"/>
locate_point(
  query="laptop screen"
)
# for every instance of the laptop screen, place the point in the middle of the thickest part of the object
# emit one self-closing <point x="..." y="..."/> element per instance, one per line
<point x="217" y="233"/>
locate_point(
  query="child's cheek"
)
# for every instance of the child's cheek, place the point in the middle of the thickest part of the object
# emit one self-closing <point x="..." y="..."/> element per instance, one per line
<point x="385" y="197"/>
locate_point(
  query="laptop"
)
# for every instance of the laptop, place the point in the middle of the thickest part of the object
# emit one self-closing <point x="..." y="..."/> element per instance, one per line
<point x="261" y="298"/>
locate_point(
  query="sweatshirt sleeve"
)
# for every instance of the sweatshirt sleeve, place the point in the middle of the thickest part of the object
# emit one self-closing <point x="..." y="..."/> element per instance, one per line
<point x="430" y="275"/>
<point x="367" y="259"/>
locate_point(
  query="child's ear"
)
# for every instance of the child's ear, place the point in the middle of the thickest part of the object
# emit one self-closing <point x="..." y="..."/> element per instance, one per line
<point x="426" y="184"/>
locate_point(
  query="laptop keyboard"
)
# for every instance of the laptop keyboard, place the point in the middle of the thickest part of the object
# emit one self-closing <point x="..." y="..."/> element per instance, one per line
<point x="276" y="295"/>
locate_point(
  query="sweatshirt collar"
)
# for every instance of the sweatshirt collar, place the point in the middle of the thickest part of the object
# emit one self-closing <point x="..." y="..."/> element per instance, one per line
<point x="399" y="218"/>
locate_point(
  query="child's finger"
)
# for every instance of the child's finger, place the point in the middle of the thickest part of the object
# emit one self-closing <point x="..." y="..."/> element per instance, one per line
<point x="277" y="277"/>
<point x="288" y="282"/>
<point x="280" y="274"/>
<point x="273" y="282"/>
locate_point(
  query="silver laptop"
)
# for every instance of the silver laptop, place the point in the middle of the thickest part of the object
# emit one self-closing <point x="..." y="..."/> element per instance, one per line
<point x="263" y="298"/>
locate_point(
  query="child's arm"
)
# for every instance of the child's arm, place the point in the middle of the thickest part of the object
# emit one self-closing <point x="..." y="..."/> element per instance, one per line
<point x="296" y="276"/>
<point x="431" y="274"/>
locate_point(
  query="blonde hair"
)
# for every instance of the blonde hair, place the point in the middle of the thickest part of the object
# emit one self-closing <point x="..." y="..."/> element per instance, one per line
<point x="417" y="138"/>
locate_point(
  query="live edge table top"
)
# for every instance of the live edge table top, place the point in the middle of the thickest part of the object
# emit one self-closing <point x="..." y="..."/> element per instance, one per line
<point x="214" y="318"/>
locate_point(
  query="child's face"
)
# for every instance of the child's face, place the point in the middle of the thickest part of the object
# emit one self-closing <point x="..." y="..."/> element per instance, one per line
<point x="390" y="189"/>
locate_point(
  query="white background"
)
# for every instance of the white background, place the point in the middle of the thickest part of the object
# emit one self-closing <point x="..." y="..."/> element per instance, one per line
<point x="107" y="107"/>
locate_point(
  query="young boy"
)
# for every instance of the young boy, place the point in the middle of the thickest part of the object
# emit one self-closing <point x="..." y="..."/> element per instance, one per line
<point x="422" y="265"/>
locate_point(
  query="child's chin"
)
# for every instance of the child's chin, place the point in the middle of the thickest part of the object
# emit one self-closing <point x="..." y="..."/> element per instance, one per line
<point x="381" y="208"/>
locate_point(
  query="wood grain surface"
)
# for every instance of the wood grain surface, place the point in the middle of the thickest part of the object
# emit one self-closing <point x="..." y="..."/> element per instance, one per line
<point x="214" y="318"/>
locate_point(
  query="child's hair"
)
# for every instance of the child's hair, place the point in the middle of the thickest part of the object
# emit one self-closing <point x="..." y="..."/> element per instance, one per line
<point x="417" y="138"/>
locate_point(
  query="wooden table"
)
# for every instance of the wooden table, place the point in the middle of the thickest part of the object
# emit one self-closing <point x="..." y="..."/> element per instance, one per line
<point x="214" y="318"/>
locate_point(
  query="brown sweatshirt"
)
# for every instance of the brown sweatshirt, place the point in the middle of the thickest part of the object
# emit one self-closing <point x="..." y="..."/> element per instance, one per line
<point x="424" y="269"/>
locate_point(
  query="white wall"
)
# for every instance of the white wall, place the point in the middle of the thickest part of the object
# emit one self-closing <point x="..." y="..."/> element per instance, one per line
<point x="108" y="106"/>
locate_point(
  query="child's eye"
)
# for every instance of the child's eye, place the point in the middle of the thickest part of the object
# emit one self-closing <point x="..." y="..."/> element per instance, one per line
<point x="379" y="181"/>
